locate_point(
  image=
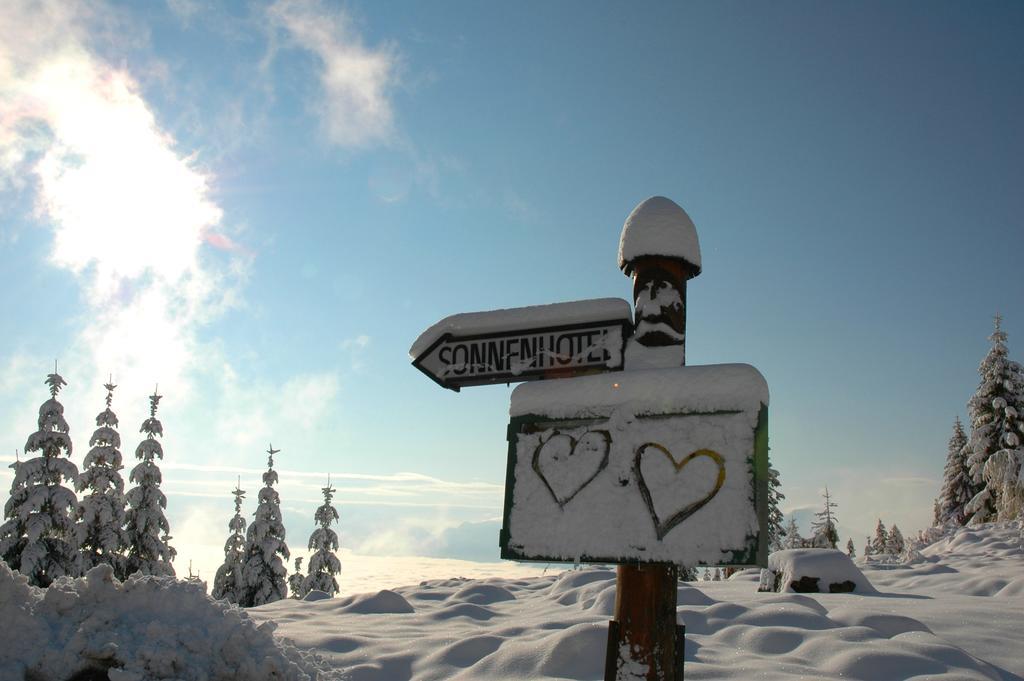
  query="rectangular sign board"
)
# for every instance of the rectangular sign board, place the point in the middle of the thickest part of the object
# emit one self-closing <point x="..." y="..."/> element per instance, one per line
<point x="521" y="344"/>
<point x="667" y="465"/>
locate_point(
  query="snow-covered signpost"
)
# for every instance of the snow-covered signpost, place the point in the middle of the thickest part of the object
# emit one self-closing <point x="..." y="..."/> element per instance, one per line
<point x="653" y="467"/>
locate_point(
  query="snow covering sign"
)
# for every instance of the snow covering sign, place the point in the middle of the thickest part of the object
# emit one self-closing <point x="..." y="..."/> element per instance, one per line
<point x="666" y="465"/>
<point x="520" y="344"/>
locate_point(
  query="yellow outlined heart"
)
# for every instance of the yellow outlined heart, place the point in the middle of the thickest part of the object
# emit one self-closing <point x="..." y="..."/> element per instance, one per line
<point x="662" y="528"/>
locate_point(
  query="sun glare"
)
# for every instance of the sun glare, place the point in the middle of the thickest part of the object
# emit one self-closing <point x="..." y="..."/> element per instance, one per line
<point x="122" y="200"/>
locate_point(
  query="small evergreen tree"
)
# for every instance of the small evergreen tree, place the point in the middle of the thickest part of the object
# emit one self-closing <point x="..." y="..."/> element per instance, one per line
<point x="957" y="488"/>
<point x="194" y="578"/>
<point x="227" y="583"/>
<point x="38" y="538"/>
<point x="101" y="535"/>
<point x="868" y="548"/>
<point x="12" y="532"/>
<point x="687" y="574"/>
<point x="850" y="551"/>
<point x="881" y="540"/>
<point x="263" y="571"/>
<point x="776" y="533"/>
<point x="145" y="523"/>
<point x="295" y="580"/>
<point x="323" y="564"/>
<point x="994" y="410"/>
<point x="825" y="534"/>
<point x="895" y="543"/>
<point x="792" y="539"/>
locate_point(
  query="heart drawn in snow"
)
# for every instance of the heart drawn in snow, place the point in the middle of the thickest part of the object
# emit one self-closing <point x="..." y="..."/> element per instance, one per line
<point x="651" y="455"/>
<point x="566" y="465"/>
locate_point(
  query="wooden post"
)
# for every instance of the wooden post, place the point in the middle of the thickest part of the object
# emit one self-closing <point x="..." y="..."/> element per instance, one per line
<point x="645" y="612"/>
<point x="645" y="596"/>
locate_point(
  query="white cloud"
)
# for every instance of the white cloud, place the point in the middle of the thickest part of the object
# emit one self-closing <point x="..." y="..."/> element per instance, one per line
<point x="185" y="10"/>
<point x="129" y="212"/>
<point x="359" y="342"/>
<point x="306" y="399"/>
<point x="252" y="413"/>
<point x="356" y="350"/>
<point x="354" y="80"/>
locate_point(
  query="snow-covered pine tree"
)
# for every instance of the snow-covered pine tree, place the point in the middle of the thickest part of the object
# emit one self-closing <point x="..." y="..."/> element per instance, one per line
<point x="101" y="535"/>
<point x="994" y="411"/>
<point x="868" y="548"/>
<point x="776" y="533"/>
<point x="263" y="572"/>
<point x="227" y="583"/>
<point x="12" y="532"/>
<point x="1004" y="471"/>
<point x="895" y="543"/>
<point x="145" y="524"/>
<point x="957" y="488"/>
<point x="39" y="537"/>
<point x="792" y="540"/>
<point x="323" y="564"/>
<point x="295" y="580"/>
<point x="881" y="539"/>
<point x="850" y="551"/>
<point x="825" y="535"/>
<point x="687" y="574"/>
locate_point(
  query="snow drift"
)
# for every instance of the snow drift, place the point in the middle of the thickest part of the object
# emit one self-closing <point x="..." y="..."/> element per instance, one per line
<point x="146" y="628"/>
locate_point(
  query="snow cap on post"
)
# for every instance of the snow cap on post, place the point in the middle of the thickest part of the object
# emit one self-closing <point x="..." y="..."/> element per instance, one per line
<point x="660" y="228"/>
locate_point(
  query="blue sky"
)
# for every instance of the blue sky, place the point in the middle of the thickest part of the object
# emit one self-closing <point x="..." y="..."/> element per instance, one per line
<point x="261" y="205"/>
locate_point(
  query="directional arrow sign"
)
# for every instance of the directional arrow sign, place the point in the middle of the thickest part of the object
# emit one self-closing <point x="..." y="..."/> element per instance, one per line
<point x="522" y="344"/>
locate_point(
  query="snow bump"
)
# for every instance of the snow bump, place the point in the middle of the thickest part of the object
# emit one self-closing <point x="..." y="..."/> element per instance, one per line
<point x="383" y="602"/>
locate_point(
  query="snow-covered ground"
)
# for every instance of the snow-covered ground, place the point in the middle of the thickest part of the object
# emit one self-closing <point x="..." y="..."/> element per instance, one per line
<point x="955" y="613"/>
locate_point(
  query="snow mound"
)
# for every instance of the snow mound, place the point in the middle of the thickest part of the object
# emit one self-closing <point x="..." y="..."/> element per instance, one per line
<point x="746" y="575"/>
<point x="885" y="624"/>
<point x="469" y="651"/>
<point x="381" y="603"/>
<point x="689" y="595"/>
<point x="813" y="571"/>
<point x="316" y="595"/>
<point x="483" y="594"/>
<point x="146" y="628"/>
<point x="470" y="610"/>
<point x="990" y="541"/>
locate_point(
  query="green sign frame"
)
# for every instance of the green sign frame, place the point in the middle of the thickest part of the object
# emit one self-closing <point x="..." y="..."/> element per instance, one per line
<point x="753" y="553"/>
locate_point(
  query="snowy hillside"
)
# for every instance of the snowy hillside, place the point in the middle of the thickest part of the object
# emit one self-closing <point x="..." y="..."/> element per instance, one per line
<point x="956" y="613"/>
